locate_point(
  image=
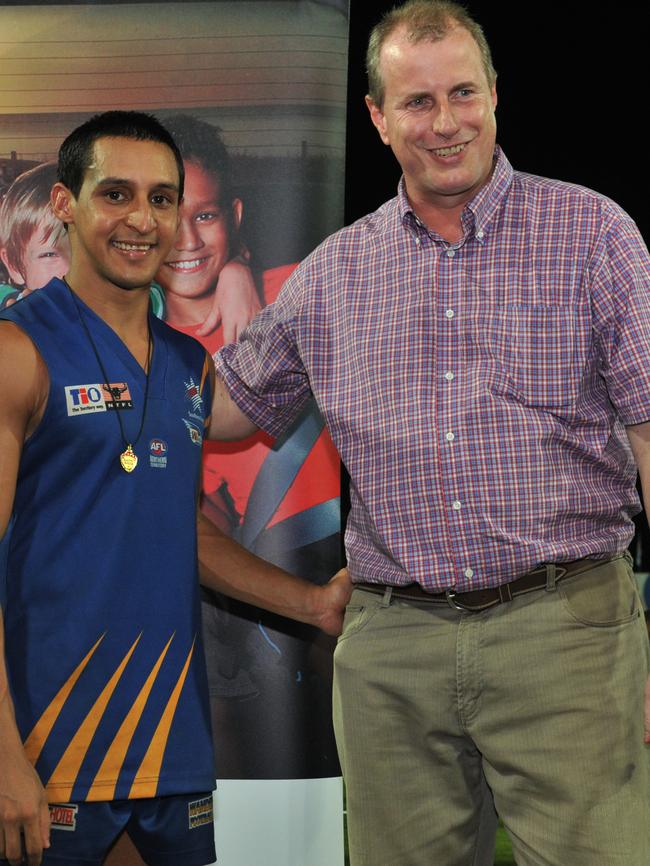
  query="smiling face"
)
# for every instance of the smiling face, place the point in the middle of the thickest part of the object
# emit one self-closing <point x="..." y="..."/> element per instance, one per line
<point x="44" y="258"/>
<point x="45" y="255"/>
<point x="437" y="117"/>
<point x="123" y="223"/>
<point x="202" y="246"/>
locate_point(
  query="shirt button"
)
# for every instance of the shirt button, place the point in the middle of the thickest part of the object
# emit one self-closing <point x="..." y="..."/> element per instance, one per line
<point x="449" y="437"/>
<point x="450" y="314"/>
<point x="469" y="572"/>
<point x="417" y="241"/>
<point x="479" y="233"/>
<point x="451" y="253"/>
<point x="456" y="505"/>
<point x="449" y="376"/>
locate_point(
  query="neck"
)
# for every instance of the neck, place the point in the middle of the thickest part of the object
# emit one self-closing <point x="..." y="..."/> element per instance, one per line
<point x="128" y="318"/>
<point x="124" y="310"/>
<point x="443" y="217"/>
<point x="447" y="224"/>
<point x="186" y="312"/>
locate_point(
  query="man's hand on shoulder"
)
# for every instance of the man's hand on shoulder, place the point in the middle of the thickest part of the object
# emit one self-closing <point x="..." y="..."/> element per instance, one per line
<point x="331" y="601"/>
<point x="24" y="813"/>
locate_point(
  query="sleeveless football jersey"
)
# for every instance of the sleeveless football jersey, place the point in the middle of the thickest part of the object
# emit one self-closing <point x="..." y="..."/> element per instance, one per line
<point x="103" y="642"/>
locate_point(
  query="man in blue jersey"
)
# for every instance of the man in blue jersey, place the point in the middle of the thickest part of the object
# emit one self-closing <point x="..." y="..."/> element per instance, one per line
<point x="104" y="719"/>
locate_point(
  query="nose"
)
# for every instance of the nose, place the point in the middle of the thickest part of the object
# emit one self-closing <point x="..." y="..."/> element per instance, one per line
<point x="187" y="236"/>
<point x="444" y="121"/>
<point x="141" y="216"/>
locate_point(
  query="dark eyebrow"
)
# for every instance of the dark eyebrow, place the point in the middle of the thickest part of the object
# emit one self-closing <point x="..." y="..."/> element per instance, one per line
<point x="125" y="181"/>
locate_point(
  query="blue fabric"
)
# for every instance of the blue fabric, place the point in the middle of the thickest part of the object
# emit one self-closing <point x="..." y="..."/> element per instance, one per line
<point x="99" y="555"/>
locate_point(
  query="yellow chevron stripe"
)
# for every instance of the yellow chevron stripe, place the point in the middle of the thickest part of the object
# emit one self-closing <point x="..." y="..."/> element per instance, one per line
<point x="145" y="783"/>
<point x="104" y="783"/>
<point x="43" y="727"/>
<point x="61" y="782"/>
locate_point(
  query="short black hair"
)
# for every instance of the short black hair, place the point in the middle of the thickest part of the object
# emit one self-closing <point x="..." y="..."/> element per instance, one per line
<point x="76" y="152"/>
<point x="200" y="142"/>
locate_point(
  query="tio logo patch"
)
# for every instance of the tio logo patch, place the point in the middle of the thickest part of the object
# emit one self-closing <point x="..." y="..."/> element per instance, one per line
<point x="80" y="399"/>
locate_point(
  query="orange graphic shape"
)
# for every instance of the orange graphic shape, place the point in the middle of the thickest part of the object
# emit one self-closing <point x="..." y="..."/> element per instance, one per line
<point x="61" y="782"/>
<point x="204" y="374"/>
<point x="145" y="783"/>
<point x="103" y="786"/>
<point x="43" y="727"/>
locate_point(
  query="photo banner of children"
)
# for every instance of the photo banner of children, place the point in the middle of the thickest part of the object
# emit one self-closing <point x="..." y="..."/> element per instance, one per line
<point x="254" y="93"/>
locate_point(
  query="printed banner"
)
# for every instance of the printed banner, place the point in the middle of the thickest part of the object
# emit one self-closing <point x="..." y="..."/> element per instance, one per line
<point x="255" y="95"/>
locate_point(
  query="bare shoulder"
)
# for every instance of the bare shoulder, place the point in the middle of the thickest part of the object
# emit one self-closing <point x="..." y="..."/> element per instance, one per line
<point x="24" y="380"/>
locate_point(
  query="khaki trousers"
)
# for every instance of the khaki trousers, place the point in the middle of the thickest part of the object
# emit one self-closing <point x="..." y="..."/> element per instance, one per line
<point x="533" y="708"/>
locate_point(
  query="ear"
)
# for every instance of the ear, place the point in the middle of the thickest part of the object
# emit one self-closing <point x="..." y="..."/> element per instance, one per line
<point x="15" y="276"/>
<point x="493" y="94"/>
<point x="237" y="213"/>
<point x="62" y="201"/>
<point x="378" y="119"/>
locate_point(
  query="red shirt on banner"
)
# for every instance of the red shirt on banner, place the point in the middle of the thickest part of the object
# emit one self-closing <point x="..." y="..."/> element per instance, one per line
<point x="230" y="468"/>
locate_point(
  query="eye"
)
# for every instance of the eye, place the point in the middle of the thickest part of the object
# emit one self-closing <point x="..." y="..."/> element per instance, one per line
<point x="417" y="102"/>
<point x="207" y="216"/>
<point x="465" y="91"/>
<point x="51" y="254"/>
<point x="162" y="199"/>
<point x="115" y="195"/>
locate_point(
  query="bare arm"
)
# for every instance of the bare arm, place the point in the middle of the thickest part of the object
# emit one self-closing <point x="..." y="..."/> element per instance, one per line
<point x="231" y="569"/>
<point x="23" y="804"/>
<point x="227" y="420"/>
<point x="235" y="302"/>
<point x="639" y="436"/>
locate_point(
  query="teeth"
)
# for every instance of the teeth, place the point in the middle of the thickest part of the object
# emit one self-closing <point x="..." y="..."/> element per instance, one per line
<point x="123" y="245"/>
<point x="185" y="266"/>
<point x="448" y="151"/>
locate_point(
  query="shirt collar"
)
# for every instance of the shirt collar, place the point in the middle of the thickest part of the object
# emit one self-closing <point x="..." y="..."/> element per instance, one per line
<point x="478" y="212"/>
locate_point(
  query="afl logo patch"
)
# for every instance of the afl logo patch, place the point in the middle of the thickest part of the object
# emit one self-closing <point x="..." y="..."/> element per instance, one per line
<point x="63" y="816"/>
<point x="158" y="453"/>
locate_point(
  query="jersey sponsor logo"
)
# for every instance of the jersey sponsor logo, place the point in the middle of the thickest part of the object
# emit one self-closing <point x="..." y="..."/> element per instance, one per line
<point x="200" y="812"/>
<point x="158" y="454"/>
<point x="80" y="399"/>
<point x="97" y="397"/>
<point x="117" y="395"/>
<point x="63" y="816"/>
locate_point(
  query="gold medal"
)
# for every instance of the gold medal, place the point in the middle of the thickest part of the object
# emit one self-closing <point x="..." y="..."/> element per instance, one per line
<point x="128" y="459"/>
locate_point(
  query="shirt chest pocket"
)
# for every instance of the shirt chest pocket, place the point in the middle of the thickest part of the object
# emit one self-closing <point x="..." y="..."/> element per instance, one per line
<point x="540" y="352"/>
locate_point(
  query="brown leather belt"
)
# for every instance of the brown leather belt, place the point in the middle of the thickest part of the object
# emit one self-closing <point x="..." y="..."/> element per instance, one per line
<point x="481" y="599"/>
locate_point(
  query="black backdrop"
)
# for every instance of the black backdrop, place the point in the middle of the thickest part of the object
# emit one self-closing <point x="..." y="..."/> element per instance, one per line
<point x="573" y="91"/>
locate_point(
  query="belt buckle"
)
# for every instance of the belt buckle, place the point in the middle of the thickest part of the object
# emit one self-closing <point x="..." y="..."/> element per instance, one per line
<point x="450" y="596"/>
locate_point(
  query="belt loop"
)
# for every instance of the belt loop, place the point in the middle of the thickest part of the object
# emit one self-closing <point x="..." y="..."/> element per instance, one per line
<point x="551" y="576"/>
<point x="386" y="597"/>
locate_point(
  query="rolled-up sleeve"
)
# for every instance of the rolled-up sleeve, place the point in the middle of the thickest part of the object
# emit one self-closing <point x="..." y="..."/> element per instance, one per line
<point x="620" y="290"/>
<point x="264" y="372"/>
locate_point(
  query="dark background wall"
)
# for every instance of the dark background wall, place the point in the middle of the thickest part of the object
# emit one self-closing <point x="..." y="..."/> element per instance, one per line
<point x="574" y="98"/>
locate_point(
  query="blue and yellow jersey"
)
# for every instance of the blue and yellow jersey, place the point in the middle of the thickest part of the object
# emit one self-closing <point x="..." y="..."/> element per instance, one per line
<point x="103" y="642"/>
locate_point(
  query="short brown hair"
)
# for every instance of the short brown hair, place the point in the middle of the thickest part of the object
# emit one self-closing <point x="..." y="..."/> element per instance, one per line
<point x="25" y="208"/>
<point x="423" y="20"/>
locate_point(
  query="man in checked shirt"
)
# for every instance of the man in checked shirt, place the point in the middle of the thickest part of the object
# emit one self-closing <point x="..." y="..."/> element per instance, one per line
<point x="479" y="348"/>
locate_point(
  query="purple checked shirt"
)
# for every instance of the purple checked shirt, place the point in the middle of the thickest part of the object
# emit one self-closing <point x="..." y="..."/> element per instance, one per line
<point x="476" y="391"/>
